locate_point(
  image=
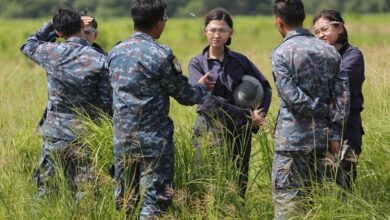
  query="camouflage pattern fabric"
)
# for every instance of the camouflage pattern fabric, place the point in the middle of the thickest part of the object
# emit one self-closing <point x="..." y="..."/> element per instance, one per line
<point x="77" y="84"/>
<point x="307" y="76"/>
<point x="293" y="173"/>
<point x="72" y="158"/>
<point x="151" y="177"/>
<point x="308" y="79"/>
<point x="143" y="76"/>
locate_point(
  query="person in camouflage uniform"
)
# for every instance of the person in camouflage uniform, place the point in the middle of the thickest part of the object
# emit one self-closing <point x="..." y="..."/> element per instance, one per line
<point x="90" y="33"/>
<point x="314" y="105"/>
<point x="76" y="84"/>
<point x="143" y="75"/>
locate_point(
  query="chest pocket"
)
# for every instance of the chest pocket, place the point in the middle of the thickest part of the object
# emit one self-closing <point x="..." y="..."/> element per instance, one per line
<point x="233" y="75"/>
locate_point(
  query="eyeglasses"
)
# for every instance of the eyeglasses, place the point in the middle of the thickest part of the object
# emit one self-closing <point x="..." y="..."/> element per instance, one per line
<point x="221" y="30"/>
<point x="89" y="31"/>
<point x="324" y="29"/>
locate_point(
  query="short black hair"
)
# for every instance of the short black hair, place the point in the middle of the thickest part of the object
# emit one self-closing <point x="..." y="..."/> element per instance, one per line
<point x="220" y="14"/>
<point x="292" y="12"/>
<point x="67" y="21"/>
<point x="146" y="13"/>
<point x="333" y="15"/>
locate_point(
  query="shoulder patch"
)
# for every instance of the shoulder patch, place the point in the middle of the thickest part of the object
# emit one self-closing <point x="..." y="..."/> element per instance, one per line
<point x="175" y="64"/>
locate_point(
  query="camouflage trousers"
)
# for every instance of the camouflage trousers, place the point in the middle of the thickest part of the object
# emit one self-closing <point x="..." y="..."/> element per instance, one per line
<point x="146" y="179"/>
<point x="293" y="173"/>
<point x="73" y="159"/>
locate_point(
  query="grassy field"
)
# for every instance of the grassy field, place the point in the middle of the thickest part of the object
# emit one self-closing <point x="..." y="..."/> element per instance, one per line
<point x="205" y="189"/>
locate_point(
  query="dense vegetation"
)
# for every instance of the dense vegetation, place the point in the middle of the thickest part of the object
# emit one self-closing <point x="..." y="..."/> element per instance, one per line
<point x="206" y="186"/>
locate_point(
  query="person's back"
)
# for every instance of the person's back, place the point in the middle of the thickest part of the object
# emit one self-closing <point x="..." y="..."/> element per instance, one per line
<point x="313" y="67"/>
<point x="77" y="85"/>
<point x="143" y="75"/>
<point x="314" y="106"/>
<point x="73" y="75"/>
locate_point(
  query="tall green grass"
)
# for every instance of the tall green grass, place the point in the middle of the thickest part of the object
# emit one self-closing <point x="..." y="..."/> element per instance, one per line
<point x="206" y="188"/>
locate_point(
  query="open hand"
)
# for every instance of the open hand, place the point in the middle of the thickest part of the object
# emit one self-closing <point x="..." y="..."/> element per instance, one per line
<point x="205" y="81"/>
<point x="86" y="20"/>
<point x="257" y="118"/>
<point x="334" y="147"/>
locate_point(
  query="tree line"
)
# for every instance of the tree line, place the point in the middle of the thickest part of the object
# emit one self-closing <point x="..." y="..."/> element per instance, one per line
<point x="180" y="8"/>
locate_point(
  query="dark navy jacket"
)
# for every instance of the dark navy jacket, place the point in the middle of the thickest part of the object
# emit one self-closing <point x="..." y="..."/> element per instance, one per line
<point x="228" y="75"/>
<point x="353" y="63"/>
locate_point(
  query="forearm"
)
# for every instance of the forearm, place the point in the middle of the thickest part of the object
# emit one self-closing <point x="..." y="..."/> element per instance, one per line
<point x="341" y="106"/>
<point x="293" y="96"/>
<point x="32" y="45"/>
<point x="300" y="102"/>
<point x="45" y="34"/>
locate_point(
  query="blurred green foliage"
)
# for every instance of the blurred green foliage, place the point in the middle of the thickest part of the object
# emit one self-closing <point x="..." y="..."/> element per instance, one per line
<point x="180" y="8"/>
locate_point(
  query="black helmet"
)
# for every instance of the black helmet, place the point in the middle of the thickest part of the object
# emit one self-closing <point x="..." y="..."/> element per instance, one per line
<point x="249" y="93"/>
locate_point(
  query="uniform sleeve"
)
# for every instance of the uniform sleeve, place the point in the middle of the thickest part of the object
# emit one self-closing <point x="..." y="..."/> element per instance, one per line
<point x="38" y="47"/>
<point x="105" y="92"/>
<point x="340" y="111"/>
<point x="297" y="100"/>
<point x="177" y="86"/>
<point x="195" y="72"/>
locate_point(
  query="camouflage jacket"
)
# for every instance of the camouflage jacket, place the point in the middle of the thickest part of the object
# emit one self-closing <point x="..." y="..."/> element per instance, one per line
<point x="76" y="81"/>
<point x="308" y="78"/>
<point x="143" y="76"/>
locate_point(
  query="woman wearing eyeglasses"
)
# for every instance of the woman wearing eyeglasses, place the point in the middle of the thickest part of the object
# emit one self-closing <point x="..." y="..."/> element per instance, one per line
<point x="219" y="118"/>
<point x="329" y="26"/>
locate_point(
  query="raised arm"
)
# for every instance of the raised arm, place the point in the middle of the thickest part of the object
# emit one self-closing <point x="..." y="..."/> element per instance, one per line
<point x="38" y="46"/>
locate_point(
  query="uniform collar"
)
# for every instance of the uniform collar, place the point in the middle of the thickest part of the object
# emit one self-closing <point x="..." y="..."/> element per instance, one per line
<point x="78" y="40"/>
<point x="344" y="48"/>
<point x="205" y="53"/>
<point x="144" y="36"/>
<point x="297" y="32"/>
